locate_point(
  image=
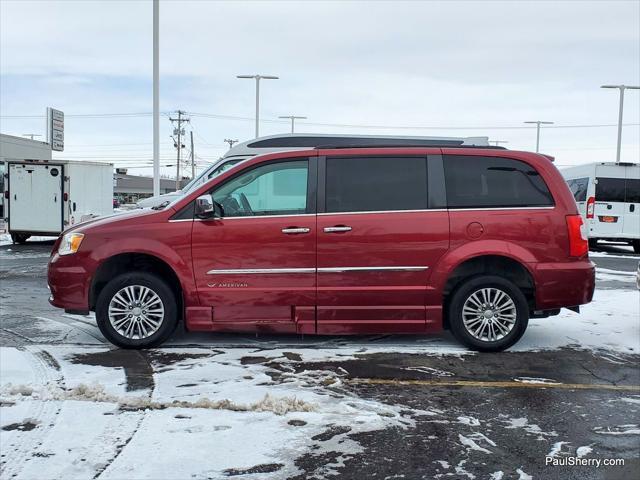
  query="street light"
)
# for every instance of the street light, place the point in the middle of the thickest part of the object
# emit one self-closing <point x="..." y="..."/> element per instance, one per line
<point x="258" y="78"/>
<point x="622" y="88"/>
<point x="538" y="123"/>
<point x="293" y="118"/>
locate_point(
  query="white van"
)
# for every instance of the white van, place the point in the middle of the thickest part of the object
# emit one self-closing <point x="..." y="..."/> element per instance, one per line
<point x="297" y="141"/>
<point x="608" y="197"/>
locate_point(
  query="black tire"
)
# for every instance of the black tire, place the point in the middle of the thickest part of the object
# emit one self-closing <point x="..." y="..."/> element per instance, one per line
<point x="20" y="238"/>
<point x="593" y="244"/>
<point x="636" y="246"/>
<point x="466" y="290"/>
<point x="157" y="286"/>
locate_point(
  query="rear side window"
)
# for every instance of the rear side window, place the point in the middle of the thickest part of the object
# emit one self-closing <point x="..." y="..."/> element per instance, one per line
<point x="477" y="182"/>
<point x="610" y="190"/>
<point x="366" y="184"/>
<point x="578" y="187"/>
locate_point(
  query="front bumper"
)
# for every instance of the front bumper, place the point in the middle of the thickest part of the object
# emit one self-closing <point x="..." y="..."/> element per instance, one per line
<point x="566" y="284"/>
<point x="69" y="283"/>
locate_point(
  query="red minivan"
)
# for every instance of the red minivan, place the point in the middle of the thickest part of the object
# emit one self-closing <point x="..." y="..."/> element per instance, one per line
<point x="339" y="241"/>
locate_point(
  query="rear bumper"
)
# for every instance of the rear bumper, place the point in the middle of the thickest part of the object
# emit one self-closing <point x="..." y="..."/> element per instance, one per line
<point x="69" y="283"/>
<point x="565" y="284"/>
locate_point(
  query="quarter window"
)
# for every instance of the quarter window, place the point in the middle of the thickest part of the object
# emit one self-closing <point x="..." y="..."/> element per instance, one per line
<point x="578" y="187"/>
<point x="477" y="182"/>
<point x="272" y="189"/>
<point x="366" y="184"/>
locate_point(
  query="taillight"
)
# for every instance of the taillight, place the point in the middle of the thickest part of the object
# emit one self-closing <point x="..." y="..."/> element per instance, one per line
<point x="591" y="207"/>
<point x="65" y="196"/>
<point x="578" y="243"/>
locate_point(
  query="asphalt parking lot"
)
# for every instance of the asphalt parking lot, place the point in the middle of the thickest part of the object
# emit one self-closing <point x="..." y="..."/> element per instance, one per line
<point x="318" y="407"/>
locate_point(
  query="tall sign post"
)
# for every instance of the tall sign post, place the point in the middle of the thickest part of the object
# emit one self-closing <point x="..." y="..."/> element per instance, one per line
<point x="55" y="129"/>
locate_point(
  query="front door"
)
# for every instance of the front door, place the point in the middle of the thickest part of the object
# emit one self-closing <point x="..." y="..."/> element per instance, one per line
<point x="377" y="241"/>
<point x="256" y="265"/>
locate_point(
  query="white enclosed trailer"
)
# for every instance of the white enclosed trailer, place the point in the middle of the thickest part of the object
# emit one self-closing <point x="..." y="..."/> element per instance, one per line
<point x="45" y="197"/>
<point x="608" y="198"/>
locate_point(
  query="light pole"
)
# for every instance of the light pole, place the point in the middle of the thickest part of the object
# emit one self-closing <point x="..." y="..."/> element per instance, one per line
<point x="156" y="98"/>
<point x="622" y="88"/>
<point x="258" y="78"/>
<point x="538" y="123"/>
<point x="293" y="118"/>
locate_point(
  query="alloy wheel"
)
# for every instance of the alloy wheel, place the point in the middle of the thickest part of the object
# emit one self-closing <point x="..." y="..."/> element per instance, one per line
<point x="489" y="314"/>
<point x="136" y="312"/>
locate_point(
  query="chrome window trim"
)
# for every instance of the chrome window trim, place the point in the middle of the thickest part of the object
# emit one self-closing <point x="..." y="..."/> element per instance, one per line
<point x="501" y="208"/>
<point x="383" y="211"/>
<point x="269" y="216"/>
<point x="249" y="271"/>
<point x="324" y="214"/>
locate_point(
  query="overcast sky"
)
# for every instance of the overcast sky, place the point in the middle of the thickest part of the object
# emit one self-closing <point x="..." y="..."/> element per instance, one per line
<point x="435" y="68"/>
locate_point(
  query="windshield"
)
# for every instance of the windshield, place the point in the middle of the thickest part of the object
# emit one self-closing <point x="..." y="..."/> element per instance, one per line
<point x="211" y="172"/>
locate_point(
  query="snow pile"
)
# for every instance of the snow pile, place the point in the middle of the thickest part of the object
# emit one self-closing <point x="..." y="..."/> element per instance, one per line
<point x="97" y="393"/>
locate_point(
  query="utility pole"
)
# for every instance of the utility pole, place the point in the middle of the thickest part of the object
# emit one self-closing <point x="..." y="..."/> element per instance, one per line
<point x="293" y="118"/>
<point x="156" y="98"/>
<point x="179" y="131"/>
<point x="257" y="79"/>
<point x="538" y="123"/>
<point x="193" y="158"/>
<point x="31" y="135"/>
<point x="621" y="88"/>
<point x="498" y="142"/>
<point x="230" y="142"/>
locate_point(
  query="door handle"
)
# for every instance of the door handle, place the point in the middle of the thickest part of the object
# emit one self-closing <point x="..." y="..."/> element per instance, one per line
<point x="632" y="207"/>
<point x="295" y="230"/>
<point x="337" y="229"/>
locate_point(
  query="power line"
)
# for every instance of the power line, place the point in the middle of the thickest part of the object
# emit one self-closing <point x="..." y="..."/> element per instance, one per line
<point x="337" y="125"/>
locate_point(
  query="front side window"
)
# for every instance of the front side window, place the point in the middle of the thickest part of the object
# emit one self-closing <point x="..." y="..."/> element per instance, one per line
<point x="365" y="184"/>
<point x="272" y="189"/>
<point x="493" y="182"/>
<point x="578" y="187"/>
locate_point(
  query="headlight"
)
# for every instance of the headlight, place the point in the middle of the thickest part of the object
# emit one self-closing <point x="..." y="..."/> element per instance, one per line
<point x="70" y="243"/>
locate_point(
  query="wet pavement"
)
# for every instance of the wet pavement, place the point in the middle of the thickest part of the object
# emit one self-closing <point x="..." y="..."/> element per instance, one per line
<point x="472" y="415"/>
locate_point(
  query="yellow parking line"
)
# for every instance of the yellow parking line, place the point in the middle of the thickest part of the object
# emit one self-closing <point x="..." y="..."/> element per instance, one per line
<point x="493" y="384"/>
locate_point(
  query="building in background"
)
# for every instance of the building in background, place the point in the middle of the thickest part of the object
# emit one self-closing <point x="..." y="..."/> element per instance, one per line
<point x="131" y="188"/>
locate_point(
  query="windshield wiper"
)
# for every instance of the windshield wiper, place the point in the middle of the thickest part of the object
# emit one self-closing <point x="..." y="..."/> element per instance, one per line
<point x="161" y="206"/>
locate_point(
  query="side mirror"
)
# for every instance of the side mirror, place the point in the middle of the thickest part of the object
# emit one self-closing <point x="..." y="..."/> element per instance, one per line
<point x="204" y="207"/>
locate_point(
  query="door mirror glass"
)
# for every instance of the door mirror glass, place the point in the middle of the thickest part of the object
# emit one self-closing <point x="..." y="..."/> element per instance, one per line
<point x="204" y="207"/>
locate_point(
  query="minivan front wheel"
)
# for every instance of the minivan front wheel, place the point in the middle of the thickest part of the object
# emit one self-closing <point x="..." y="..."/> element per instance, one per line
<point x="136" y="310"/>
<point x="488" y="313"/>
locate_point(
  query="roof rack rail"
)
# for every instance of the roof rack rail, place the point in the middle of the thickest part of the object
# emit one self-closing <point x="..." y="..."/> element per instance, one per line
<point x="412" y="145"/>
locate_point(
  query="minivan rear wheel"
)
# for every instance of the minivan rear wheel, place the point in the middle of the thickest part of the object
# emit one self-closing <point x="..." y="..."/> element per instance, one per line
<point x="488" y="313"/>
<point x="136" y="310"/>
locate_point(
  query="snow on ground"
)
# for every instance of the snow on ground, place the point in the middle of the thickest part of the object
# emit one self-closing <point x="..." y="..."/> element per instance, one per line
<point x="208" y="412"/>
<point x="610" y="322"/>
